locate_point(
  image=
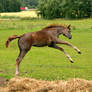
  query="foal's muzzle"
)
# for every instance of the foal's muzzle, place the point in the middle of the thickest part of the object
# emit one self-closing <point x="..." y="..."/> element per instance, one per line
<point x="70" y="37"/>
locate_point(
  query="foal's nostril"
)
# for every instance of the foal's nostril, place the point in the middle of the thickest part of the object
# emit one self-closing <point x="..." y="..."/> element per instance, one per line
<point x="70" y="37"/>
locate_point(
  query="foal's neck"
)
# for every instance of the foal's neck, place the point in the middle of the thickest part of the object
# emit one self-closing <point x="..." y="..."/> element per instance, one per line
<point x="59" y="30"/>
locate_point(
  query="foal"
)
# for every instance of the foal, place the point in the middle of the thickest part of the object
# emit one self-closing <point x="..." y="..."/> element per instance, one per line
<point x="48" y="36"/>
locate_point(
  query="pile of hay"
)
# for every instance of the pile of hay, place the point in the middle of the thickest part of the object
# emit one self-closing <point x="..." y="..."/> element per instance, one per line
<point x="33" y="85"/>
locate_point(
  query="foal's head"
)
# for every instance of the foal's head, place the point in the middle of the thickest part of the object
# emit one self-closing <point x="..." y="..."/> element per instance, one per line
<point x="67" y="32"/>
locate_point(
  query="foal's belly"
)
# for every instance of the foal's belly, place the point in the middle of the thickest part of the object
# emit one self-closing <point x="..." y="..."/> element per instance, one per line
<point x="40" y="42"/>
<point x="39" y="45"/>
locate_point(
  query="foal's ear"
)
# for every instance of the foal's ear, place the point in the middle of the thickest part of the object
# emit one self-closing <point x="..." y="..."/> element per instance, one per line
<point x="69" y="26"/>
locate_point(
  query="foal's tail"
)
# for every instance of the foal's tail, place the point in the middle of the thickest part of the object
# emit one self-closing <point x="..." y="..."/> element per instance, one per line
<point x="10" y="39"/>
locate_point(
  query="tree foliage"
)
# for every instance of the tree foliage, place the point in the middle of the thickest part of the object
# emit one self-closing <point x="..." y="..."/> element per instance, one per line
<point x="50" y="9"/>
<point x="10" y="5"/>
<point x="30" y="3"/>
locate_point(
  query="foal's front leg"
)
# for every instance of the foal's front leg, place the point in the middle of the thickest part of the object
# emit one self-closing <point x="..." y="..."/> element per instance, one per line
<point x="61" y="49"/>
<point x="58" y="41"/>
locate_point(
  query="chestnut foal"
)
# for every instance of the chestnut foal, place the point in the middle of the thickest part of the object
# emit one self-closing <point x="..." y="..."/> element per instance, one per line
<point x="48" y="36"/>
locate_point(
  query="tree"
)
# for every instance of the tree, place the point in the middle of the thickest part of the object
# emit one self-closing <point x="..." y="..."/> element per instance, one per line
<point x="10" y="5"/>
<point x="50" y="9"/>
<point x="30" y="3"/>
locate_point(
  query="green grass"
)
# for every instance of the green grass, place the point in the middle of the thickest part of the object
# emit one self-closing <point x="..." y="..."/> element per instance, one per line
<point x="47" y="63"/>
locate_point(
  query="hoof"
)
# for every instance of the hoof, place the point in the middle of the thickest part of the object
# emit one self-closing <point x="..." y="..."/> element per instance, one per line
<point x="71" y="61"/>
<point x="79" y="52"/>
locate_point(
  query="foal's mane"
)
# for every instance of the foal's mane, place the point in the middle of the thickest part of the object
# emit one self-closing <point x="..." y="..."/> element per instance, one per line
<point x="54" y="26"/>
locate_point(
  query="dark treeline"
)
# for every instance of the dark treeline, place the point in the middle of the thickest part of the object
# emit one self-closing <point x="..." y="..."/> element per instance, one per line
<point x="30" y="3"/>
<point x="10" y="5"/>
<point x="14" y="5"/>
<point x="50" y="9"/>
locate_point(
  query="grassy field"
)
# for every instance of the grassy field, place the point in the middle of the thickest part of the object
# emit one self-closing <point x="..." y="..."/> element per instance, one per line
<point x="47" y="63"/>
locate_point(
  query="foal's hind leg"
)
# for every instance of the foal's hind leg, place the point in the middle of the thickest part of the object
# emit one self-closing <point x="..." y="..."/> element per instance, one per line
<point x="19" y="59"/>
<point x="24" y="47"/>
<point x="61" y="49"/>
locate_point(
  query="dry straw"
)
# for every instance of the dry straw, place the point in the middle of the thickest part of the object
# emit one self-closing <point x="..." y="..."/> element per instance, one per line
<point x="33" y="85"/>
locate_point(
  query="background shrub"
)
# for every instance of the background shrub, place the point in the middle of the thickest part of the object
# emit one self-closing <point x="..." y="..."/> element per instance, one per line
<point x="51" y="9"/>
